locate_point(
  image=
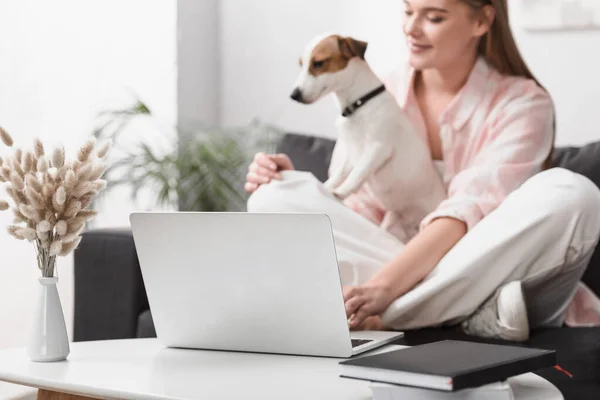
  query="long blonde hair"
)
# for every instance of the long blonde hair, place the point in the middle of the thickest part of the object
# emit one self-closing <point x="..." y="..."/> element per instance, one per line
<point x="500" y="49"/>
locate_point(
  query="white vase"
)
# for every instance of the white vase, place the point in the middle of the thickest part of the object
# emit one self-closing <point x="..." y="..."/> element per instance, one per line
<point x="48" y="340"/>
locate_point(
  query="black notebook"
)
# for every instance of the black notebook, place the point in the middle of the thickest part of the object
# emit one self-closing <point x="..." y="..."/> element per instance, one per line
<point x="448" y="365"/>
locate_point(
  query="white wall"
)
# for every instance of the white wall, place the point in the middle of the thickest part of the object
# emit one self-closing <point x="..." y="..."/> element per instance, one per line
<point x="567" y="64"/>
<point x="198" y="60"/>
<point x="262" y="40"/>
<point x="62" y="62"/>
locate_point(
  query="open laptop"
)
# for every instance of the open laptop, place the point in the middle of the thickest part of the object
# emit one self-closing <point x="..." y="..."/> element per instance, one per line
<point x="248" y="282"/>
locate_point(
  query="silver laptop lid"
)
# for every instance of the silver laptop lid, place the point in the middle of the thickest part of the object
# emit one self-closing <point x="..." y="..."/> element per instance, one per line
<point x="243" y="282"/>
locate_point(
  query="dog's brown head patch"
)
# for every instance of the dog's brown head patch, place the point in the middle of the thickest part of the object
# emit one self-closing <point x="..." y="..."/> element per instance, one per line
<point x="333" y="53"/>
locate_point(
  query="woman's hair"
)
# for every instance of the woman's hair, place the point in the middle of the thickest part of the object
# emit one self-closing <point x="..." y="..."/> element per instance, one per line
<point x="499" y="48"/>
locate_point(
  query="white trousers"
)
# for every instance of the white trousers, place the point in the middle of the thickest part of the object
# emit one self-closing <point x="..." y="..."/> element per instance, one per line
<point x="543" y="235"/>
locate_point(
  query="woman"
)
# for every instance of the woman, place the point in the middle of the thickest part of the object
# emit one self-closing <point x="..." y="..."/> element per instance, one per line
<point x="505" y="252"/>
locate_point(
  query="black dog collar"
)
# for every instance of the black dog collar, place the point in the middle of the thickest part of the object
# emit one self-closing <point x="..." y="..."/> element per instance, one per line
<point x="361" y="102"/>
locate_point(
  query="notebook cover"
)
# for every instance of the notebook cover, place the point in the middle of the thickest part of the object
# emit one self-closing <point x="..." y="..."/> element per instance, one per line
<point x="468" y="364"/>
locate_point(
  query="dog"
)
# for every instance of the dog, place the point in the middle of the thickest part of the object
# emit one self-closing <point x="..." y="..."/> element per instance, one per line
<point x="377" y="145"/>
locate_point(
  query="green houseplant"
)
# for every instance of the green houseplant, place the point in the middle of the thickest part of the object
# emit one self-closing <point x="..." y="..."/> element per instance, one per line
<point x="197" y="169"/>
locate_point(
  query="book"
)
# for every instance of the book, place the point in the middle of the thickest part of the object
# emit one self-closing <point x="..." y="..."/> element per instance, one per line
<point x="448" y="365"/>
<point x="493" y="391"/>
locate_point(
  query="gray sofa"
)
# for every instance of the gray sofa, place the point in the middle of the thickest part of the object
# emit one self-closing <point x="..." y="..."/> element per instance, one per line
<point x="111" y="302"/>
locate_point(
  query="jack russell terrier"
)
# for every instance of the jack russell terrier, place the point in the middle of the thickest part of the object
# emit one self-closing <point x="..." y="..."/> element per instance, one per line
<point x="377" y="145"/>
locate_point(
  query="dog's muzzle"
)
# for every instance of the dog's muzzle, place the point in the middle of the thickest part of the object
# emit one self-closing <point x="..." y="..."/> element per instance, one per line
<point x="296" y="95"/>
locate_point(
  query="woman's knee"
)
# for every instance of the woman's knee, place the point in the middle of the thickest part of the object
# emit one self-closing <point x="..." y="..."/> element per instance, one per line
<point x="264" y="199"/>
<point x="567" y="192"/>
<point x="283" y="195"/>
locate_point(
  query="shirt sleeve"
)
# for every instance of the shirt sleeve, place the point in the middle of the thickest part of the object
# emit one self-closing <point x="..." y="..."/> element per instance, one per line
<point x="514" y="146"/>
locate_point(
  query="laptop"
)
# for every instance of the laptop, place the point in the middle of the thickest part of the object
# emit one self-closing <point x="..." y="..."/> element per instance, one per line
<point x="248" y="282"/>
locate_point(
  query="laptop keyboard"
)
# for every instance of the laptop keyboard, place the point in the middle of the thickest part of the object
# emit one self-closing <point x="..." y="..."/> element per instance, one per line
<point x="358" y="342"/>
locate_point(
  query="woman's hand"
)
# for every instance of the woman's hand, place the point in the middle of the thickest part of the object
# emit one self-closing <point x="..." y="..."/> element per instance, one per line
<point x="264" y="168"/>
<point x="373" y="323"/>
<point x="418" y="258"/>
<point x="365" y="302"/>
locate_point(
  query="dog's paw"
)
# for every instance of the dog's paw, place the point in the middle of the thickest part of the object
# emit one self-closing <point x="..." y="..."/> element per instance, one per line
<point x="330" y="185"/>
<point x="341" y="192"/>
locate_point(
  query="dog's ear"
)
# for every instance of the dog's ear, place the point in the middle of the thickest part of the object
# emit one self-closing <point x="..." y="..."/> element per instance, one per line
<point x="352" y="48"/>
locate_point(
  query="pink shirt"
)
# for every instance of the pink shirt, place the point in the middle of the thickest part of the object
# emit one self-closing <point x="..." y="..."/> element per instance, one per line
<point x="495" y="134"/>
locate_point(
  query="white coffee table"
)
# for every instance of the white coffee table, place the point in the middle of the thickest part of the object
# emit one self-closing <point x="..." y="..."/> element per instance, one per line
<point x="144" y="369"/>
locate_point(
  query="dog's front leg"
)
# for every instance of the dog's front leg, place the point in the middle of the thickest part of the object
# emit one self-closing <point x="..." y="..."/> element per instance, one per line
<point x="370" y="161"/>
<point x="338" y="175"/>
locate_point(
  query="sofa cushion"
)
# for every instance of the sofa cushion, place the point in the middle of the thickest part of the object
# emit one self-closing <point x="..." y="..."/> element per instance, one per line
<point x="145" y="325"/>
<point x="109" y="290"/>
<point x="584" y="160"/>
<point x="308" y="153"/>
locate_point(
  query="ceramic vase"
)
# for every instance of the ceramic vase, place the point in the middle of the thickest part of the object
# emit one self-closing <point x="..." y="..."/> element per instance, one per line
<point x="48" y="340"/>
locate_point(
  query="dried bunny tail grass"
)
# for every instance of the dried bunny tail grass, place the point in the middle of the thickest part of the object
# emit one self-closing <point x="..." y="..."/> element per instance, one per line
<point x="50" y="217"/>
<point x="61" y="228"/>
<point x="17" y="168"/>
<point x="40" y="215"/>
<point x="1" y="161"/>
<point x="73" y="208"/>
<point x="6" y="138"/>
<point x="86" y="150"/>
<point x="42" y="165"/>
<point x="86" y="200"/>
<point x="12" y="230"/>
<point x="43" y="236"/>
<point x="59" y="208"/>
<point x="47" y="178"/>
<point x="44" y="226"/>
<point x="4" y="205"/>
<point x="38" y="147"/>
<point x="82" y="189"/>
<point x="19" y="156"/>
<point x="21" y="198"/>
<point x="68" y="247"/>
<point x="99" y="185"/>
<point x="5" y="173"/>
<point x="27" y="162"/>
<point x="47" y="190"/>
<point x="27" y="233"/>
<point x="86" y="215"/>
<point x="75" y="222"/>
<point x="61" y="196"/>
<point x="46" y="244"/>
<point x="35" y="198"/>
<point x="70" y="180"/>
<point x="104" y="149"/>
<point x="58" y="157"/>
<point x="17" y="181"/>
<point x="73" y="231"/>
<point x="19" y="217"/>
<point x="62" y="172"/>
<point x="55" y="248"/>
<point x="76" y="165"/>
<point x="2" y="178"/>
<point x="69" y="237"/>
<point x="11" y="192"/>
<point x="28" y="211"/>
<point x="85" y="171"/>
<point x="33" y="181"/>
